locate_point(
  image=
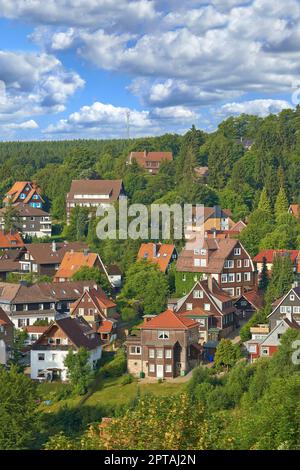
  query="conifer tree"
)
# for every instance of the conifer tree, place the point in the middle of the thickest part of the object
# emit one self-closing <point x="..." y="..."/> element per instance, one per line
<point x="281" y="204"/>
<point x="264" y="202"/>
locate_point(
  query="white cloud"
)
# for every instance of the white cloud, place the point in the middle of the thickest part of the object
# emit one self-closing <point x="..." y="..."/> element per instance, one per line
<point x="32" y="84"/>
<point x="259" y="107"/>
<point x="106" y="120"/>
<point x="31" y="124"/>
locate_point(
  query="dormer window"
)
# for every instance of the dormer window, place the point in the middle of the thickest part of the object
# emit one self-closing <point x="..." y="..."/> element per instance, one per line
<point x="163" y="334"/>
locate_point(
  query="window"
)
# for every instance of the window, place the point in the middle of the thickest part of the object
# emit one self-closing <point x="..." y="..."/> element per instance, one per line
<point x="252" y="348"/>
<point x="285" y="309"/>
<point x="229" y="263"/>
<point x="296" y="309"/>
<point x="231" y="277"/>
<point x="81" y="311"/>
<point x="247" y="277"/>
<point x="237" y="251"/>
<point x="41" y="356"/>
<point x="159" y="353"/>
<point x="238" y="291"/>
<point x="264" y="351"/>
<point x="25" y="307"/>
<point x="41" y="306"/>
<point x="198" y="294"/>
<point x="201" y="321"/>
<point x="189" y="306"/>
<point x="152" y="353"/>
<point x="163" y="334"/>
<point x="53" y="357"/>
<point x="224" y="278"/>
<point x="207" y="307"/>
<point x="168" y="368"/>
<point x="239" y="263"/>
<point x="292" y="297"/>
<point x="203" y="251"/>
<point x="151" y="367"/>
<point x="168" y="353"/>
<point x="246" y="263"/>
<point x="197" y="262"/>
<point x="238" y="277"/>
<point x="135" y="350"/>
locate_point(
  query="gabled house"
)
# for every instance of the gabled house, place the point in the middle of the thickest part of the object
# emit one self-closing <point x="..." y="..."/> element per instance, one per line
<point x="150" y="161"/>
<point x="161" y="254"/>
<point x="34" y="332"/>
<point x="165" y="347"/>
<point x="93" y="193"/>
<point x="249" y="303"/>
<point x="270" y="255"/>
<point x="6" y="337"/>
<point x="214" y="218"/>
<point x="73" y="261"/>
<point x="265" y="344"/>
<point x="25" y="304"/>
<point x="211" y="308"/>
<point x="10" y="240"/>
<point x="49" y="352"/>
<point x="288" y="305"/>
<point x="33" y="222"/>
<point x="45" y="258"/>
<point x="226" y="260"/>
<point x="25" y="192"/>
<point x="99" y="311"/>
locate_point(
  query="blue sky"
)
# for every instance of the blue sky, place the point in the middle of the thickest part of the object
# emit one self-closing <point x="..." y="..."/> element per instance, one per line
<point x="75" y="68"/>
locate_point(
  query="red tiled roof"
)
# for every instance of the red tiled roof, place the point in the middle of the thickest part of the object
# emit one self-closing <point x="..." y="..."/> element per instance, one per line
<point x="158" y="253"/>
<point x="4" y="320"/>
<point x="270" y="254"/>
<point x="36" y="328"/>
<point x="170" y="320"/>
<point x="105" y="327"/>
<point x="17" y="189"/>
<point x="73" y="261"/>
<point x="294" y="209"/>
<point x="142" y="157"/>
<point x="255" y="298"/>
<point x="8" y="240"/>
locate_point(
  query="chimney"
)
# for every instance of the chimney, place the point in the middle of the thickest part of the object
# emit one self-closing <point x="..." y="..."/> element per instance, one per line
<point x="53" y="246"/>
<point x="217" y="212"/>
<point x="295" y="284"/>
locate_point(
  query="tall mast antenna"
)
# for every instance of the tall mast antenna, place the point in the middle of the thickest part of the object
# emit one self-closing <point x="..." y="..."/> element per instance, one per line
<point x="128" y="123"/>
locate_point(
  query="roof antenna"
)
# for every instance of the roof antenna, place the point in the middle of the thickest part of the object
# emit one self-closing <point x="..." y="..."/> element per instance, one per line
<point x="128" y="123"/>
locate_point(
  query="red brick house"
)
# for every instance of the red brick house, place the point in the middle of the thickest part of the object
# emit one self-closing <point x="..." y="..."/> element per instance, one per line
<point x="99" y="311"/>
<point x="165" y="347"/>
<point x="226" y="260"/>
<point x="212" y="308"/>
<point x="150" y="161"/>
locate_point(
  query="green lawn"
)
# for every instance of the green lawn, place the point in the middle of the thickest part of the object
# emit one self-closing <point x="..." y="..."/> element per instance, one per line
<point x="109" y="391"/>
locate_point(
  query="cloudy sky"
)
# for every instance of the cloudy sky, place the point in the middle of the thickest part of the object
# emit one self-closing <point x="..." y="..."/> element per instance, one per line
<point x="78" y="68"/>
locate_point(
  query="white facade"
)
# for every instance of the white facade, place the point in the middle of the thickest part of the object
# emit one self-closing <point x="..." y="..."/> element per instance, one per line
<point x="52" y="359"/>
<point x="20" y="321"/>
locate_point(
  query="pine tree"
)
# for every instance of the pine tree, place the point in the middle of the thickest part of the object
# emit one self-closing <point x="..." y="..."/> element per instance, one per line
<point x="264" y="202"/>
<point x="264" y="277"/>
<point x="281" y="204"/>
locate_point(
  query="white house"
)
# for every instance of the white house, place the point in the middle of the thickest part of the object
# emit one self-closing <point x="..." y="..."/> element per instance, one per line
<point x="48" y="353"/>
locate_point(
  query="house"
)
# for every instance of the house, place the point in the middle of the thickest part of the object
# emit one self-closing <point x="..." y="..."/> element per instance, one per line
<point x="34" y="332"/>
<point x="165" y="347"/>
<point x="49" y="352"/>
<point x="6" y="337"/>
<point x="25" y="192"/>
<point x="265" y="343"/>
<point x="25" y="304"/>
<point x="10" y="240"/>
<point x="212" y="308"/>
<point x="45" y="258"/>
<point x="249" y="303"/>
<point x="226" y="260"/>
<point x="270" y="255"/>
<point x="74" y="260"/>
<point x="115" y="275"/>
<point x="202" y="174"/>
<point x="99" y="311"/>
<point x="33" y="222"/>
<point x="161" y="254"/>
<point x="93" y="193"/>
<point x="150" y="161"/>
<point x="289" y="304"/>
<point x="294" y="210"/>
<point x="205" y="219"/>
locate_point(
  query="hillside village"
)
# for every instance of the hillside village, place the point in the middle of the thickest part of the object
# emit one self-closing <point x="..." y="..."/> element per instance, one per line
<point x="75" y="309"/>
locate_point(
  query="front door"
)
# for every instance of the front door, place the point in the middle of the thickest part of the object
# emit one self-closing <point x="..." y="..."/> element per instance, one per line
<point x="160" y="371"/>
